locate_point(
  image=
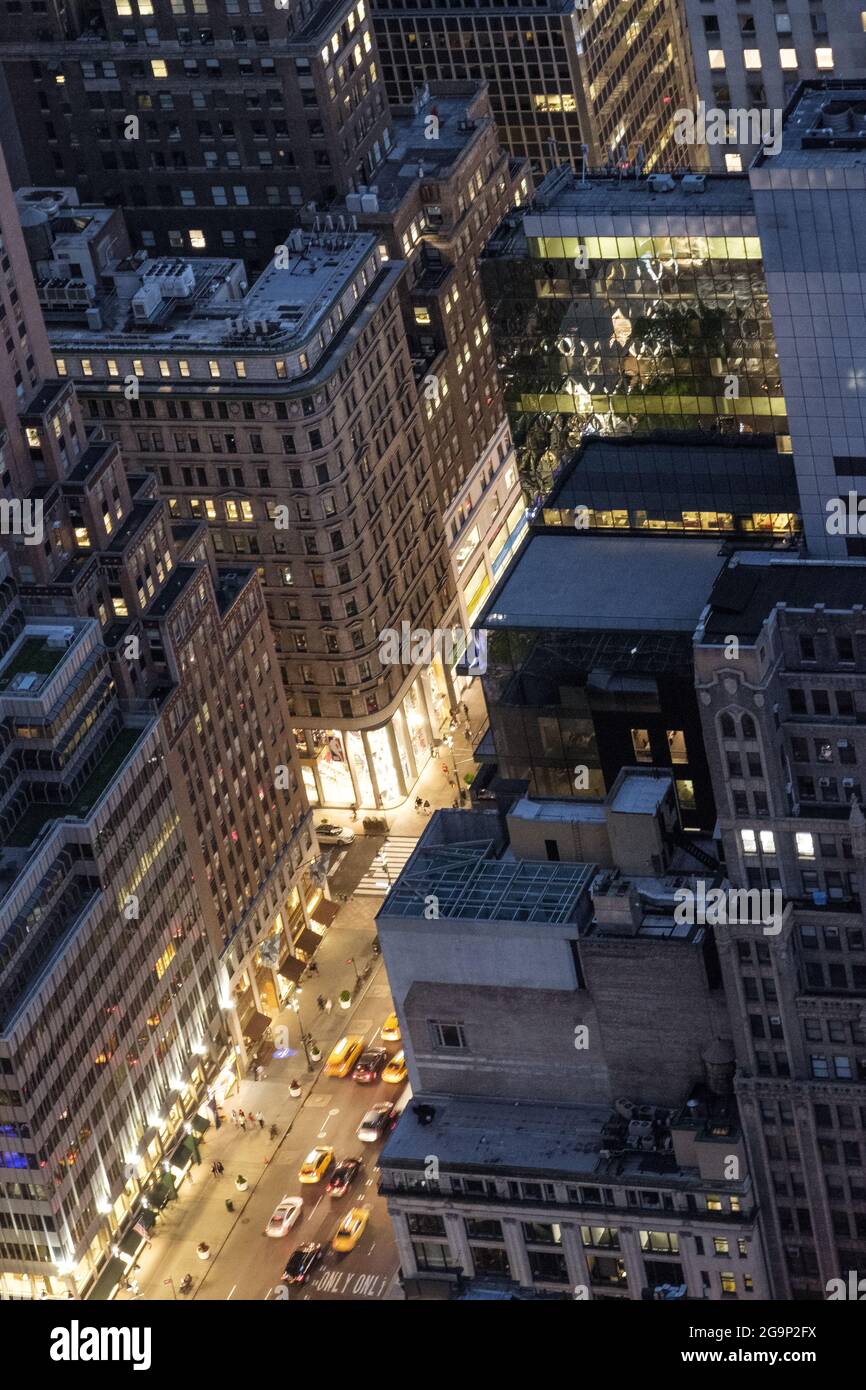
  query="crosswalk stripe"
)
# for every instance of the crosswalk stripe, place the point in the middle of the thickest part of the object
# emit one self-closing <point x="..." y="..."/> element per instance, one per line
<point x="396" y="851"/>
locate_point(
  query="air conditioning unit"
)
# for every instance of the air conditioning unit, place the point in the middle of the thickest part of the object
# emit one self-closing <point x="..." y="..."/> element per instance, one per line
<point x="823" y="781"/>
<point x="847" y="781"/>
<point x="694" y="183"/>
<point x="661" y="183"/>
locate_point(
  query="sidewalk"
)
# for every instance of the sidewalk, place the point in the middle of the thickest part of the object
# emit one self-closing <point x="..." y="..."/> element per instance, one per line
<point x="199" y="1214"/>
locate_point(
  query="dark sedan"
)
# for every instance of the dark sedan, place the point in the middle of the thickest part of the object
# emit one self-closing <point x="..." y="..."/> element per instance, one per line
<point x="302" y="1263"/>
<point x="370" y="1065"/>
<point x="343" y="1176"/>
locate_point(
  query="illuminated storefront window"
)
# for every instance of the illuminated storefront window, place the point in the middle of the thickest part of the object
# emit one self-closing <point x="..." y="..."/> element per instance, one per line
<point x="338" y="763"/>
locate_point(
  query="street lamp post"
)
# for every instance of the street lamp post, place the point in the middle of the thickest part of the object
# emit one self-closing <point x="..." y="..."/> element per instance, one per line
<point x="295" y="1006"/>
<point x="351" y="961"/>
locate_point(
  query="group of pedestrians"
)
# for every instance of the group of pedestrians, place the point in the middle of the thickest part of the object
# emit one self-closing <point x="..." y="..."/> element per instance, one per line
<point x="325" y="1005"/>
<point x="422" y="807"/>
<point x="248" y="1120"/>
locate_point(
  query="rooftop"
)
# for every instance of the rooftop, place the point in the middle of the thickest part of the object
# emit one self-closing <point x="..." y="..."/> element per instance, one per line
<point x="573" y="580"/>
<point x="471" y="883"/>
<point x="751" y="586"/>
<point x="824" y="126"/>
<point x="38" y="652"/>
<point x="640" y="793"/>
<point x="530" y="808"/>
<point x="414" y="156"/>
<point x="661" y="473"/>
<point x="468" y="1134"/>
<point x="198" y="304"/>
<point x="30" y="664"/>
<point x="606" y="194"/>
<point x="39" y="813"/>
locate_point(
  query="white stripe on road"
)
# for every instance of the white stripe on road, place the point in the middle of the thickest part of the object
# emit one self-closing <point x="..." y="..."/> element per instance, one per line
<point x="396" y="851"/>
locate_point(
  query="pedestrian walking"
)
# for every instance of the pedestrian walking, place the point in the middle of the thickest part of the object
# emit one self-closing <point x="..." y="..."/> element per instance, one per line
<point x="354" y="810"/>
<point x="242" y="1120"/>
<point x="320" y="1000"/>
<point x="261" y="1119"/>
<point x="313" y="968"/>
<point x="426" y="808"/>
<point x="234" y="1117"/>
<point x="260" y="1071"/>
<point x="219" y="1167"/>
<point x="418" y="803"/>
<point x="445" y="770"/>
<point x="329" y="1004"/>
<point x="465" y="709"/>
<point x="215" y="1169"/>
<point x="455" y="804"/>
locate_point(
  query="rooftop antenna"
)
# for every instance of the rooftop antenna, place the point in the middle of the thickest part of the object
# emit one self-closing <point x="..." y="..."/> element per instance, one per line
<point x="584" y="152"/>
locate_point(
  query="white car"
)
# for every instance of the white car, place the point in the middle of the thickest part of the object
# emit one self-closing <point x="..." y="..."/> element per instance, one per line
<point x="330" y="834"/>
<point x="285" y="1215"/>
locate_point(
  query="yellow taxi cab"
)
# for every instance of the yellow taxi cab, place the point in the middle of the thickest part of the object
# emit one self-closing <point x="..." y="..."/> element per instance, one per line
<point x="391" y="1029"/>
<point x="344" y="1055"/>
<point x="396" y="1069"/>
<point x="316" y="1164"/>
<point x="350" y="1230"/>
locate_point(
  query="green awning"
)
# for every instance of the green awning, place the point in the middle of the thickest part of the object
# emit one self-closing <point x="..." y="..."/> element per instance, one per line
<point x="199" y="1124"/>
<point x="181" y="1156"/>
<point x="131" y="1243"/>
<point x="162" y="1191"/>
<point x="108" y="1280"/>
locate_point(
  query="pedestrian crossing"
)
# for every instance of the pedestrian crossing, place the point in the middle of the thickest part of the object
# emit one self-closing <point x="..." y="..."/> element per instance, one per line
<point x="395" y="851"/>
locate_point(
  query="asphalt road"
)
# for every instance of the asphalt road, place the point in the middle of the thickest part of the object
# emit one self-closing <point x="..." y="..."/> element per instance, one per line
<point x="248" y="1265"/>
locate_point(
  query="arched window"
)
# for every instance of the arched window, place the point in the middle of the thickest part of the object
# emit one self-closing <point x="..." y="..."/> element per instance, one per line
<point x="748" y="724"/>
<point x="727" y="726"/>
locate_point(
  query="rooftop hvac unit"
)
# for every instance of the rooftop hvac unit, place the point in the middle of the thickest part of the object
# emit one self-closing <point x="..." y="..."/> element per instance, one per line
<point x="353" y="202"/>
<point x="694" y="183"/>
<point x="369" y="202"/>
<point x="661" y="183"/>
<point x="146" y="301"/>
<point x="176" y="279"/>
<point x="94" y="318"/>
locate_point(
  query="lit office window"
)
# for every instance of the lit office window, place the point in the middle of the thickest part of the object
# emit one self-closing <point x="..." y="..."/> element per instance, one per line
<point x="824" y="59"/>
<point x="749" y="841"/>
<point x="196" y="239"/>
<point x="164" y="368"/>
<point x="788" y="59"/>
<point x="60" y="366"/>
<point x="213" y="367"/>
<point x="805" y="845"/>
<point x="768" y="842"/>
<point x="112" y="367"/>
<point x="183" y="366"/>
<point x="716" y="57"/>
<point x="158" y="67"/>
<point x="752" y="58"/>
<point x="86" y="366"/>
<point x="240" y="370"/>
<point x="734" y="163"/>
